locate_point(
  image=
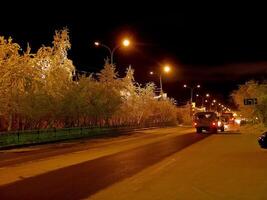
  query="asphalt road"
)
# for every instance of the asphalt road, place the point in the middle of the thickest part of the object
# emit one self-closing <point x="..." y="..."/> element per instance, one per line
<point x="84" y="179"/>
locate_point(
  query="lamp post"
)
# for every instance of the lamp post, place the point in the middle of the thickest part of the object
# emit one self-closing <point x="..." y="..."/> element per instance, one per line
<point x="191" y="91"/>
<point x="125" y="43"/>
<point x="166" y="69"/>
<point x="202" y="98"/>
<point x="191" y="95"/>
<point x="207" y="96"/>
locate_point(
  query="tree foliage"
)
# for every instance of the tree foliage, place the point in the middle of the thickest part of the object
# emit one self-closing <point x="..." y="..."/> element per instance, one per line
<point x="37" y="90"/>
<point x="252" y="89"/>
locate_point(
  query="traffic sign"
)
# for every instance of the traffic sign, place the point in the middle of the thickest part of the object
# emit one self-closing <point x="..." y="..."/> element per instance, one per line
<point x="250" y="102"/>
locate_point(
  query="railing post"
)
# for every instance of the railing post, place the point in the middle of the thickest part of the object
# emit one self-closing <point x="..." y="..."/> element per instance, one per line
<point x="18" y="136"/>
<point x="38" y="137"/>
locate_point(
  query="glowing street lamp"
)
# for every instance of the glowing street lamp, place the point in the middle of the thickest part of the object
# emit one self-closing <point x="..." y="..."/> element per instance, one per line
<point x="166" y="69"/>
<point x="125" y="43"/>
<point x="191" y="97"/>
<point x="192" y="89"/>
<point x="203" y="99"/>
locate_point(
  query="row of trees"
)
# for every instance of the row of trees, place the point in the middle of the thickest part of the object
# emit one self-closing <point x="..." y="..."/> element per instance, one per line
<point x="252" y="89"/>
<point x="38" y="90"/>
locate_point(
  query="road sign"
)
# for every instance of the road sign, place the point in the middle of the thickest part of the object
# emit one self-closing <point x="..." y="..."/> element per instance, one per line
<point x="250" y="102"/>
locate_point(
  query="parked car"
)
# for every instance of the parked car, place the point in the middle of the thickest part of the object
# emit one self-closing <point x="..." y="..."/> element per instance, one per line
<point x="208" y="121"/>
<point x="263" y="140"/>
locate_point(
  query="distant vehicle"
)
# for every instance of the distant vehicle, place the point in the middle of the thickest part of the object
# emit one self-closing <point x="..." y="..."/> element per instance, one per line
<point x="208" y="121"/>
<point x="221" y="124"/>
<point x="263" y="140"/>
<point x="228" y="118"/>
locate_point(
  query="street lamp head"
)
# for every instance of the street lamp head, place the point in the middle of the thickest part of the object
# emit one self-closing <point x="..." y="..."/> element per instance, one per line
<point x="126" y="42"/>
<point x="96" y="43"/>
<point x="151" y="73"/>
<point x="207" y="95"/>
<point x="167" y="69"/>
<point x="185" y="85"/>
<point x="198" y="86"/>
<point x="214" y="100"/>
<point x="197" y="95"/>
<point x="206" y="100"/>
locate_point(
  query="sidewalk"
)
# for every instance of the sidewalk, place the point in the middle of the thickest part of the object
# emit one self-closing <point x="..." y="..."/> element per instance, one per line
<point x="223" y="166"/>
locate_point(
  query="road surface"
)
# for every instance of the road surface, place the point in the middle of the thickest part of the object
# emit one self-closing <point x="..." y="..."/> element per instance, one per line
<point x="85" y="178"/>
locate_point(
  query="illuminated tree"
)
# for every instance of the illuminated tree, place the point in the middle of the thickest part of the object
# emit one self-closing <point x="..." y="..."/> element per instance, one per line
<point x="37" y="90"/>
<point x="252" y="89"/>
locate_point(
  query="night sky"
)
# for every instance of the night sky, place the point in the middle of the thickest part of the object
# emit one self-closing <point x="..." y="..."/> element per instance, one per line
<point x="218" y="47"/>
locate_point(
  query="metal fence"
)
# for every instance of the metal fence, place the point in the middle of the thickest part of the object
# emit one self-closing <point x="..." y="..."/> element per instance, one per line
<point x="18" y="138"/>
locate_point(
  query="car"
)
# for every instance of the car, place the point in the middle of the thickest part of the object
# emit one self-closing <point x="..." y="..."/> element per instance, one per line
<point x="229" y="118"/>
<point x="263" y="140"/>
<point x="208" y="121"/>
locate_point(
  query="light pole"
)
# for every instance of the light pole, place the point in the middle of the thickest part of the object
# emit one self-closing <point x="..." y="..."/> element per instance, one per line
<point x="166" y="69"/>
<point x="191" y="95"/>
<point x="202" y="98"/>
<point x="207" y="95"/>
<point x="191" y="91"/>
<point x="125" y="43"/>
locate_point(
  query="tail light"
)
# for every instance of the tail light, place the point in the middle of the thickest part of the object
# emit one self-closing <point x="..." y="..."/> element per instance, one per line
<point x="213" y="123"/>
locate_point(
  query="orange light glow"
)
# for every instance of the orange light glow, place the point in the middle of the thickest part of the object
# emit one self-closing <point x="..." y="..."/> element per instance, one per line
<point x="126" y="42"/>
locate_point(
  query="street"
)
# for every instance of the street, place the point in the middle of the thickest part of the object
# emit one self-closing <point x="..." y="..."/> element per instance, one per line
<point x="132" y="102"/>
<point x="84" y="179"/>
<point x="72" y="171"/>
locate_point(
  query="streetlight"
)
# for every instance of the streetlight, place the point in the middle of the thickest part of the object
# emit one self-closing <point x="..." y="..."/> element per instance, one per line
<point x="203" y="98"/>
<point x="191" y="98"/>
<point x="192" y="89"/>
<point x="166" y="69"/>
<point x="126" y="42"/>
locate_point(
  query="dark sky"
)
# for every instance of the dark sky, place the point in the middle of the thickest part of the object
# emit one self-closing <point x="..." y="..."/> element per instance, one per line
<point x="217" y="46"/>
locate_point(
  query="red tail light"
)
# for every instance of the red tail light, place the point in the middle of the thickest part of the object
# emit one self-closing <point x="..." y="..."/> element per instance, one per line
<point x="213" y="123"/>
